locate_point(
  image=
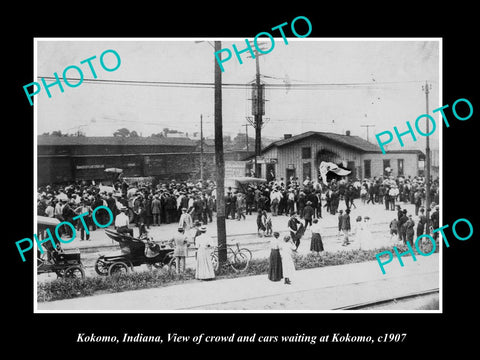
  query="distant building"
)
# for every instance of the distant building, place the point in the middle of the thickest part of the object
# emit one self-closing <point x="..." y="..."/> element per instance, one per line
<point x="72" y="158"/>
<point x="63" y="159"/>
<point x="300" y="156"/>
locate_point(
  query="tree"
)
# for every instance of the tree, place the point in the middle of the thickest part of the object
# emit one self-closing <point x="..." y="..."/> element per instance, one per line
<point x="240" y="141"/>
<point x="123" y="132"/>
<point x="133" y="133"/>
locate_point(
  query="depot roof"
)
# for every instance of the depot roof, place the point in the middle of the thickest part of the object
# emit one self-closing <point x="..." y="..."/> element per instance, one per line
<point x="49" y="140"/>
<point x="346" y="140"/>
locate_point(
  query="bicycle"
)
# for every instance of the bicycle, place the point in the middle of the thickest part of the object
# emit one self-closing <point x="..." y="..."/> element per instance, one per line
<point x="238" y="259"/>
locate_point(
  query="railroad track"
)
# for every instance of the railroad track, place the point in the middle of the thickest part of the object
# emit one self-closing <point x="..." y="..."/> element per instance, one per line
<point x="388" y="300"/>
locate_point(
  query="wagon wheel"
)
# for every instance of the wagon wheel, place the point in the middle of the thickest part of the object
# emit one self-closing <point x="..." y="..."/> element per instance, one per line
<point x="118" y="268"/>
<point x="75" y="272"/>
<point x="101" y="267"/>
<point x="60" y="273"/>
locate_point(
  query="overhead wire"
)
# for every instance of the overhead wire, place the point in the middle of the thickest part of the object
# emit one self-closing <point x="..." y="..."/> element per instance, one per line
<point x="285" y="85"/>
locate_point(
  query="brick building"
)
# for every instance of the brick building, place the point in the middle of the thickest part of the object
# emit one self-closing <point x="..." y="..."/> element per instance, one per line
<point x="71" y="158"/>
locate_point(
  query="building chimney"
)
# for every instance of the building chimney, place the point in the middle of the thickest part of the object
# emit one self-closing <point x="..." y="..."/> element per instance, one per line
<point x="287" y="136"/>
<point x="347" y="132"/>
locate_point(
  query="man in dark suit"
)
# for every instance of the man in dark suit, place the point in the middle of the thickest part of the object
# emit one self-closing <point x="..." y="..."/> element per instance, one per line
<point x="296" y="229"/>
<point x="402" y="230"/>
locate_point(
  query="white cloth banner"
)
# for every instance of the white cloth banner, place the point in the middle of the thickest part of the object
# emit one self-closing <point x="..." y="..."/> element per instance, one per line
<point x="325" y="167"/>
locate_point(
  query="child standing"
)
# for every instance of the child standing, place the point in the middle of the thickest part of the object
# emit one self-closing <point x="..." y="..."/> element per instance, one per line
<point x="340" y="217"/>
<point x="268" y="226"/>
<point x="260" y="224"/>
<point x="393" y="228"/>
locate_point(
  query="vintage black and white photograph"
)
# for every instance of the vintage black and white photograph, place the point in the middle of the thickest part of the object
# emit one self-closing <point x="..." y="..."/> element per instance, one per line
<point x="192" y="175"/>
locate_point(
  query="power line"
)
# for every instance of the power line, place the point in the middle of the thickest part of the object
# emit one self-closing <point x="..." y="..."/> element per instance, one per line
<point x="290" y="86"/>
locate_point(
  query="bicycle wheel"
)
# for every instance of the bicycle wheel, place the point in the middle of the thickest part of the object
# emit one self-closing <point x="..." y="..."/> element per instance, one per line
<point x="246" y="252"/>
<point x="240" y="261"/>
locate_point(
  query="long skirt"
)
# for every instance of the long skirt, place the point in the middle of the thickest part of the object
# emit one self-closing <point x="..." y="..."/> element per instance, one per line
<point x="316" y="243"/>
<point x="275" y="272"/>
<point x="204" y="267"/>
<point x="288" y="266"/>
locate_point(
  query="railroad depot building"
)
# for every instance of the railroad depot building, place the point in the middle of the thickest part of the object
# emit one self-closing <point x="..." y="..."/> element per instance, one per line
<point x="300" y="156"/>
<point x="74" y="158"/>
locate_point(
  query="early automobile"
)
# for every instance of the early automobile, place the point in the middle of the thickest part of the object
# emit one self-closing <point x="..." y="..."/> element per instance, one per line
<point x="134" y="252"/>
<point x="65" y="263"/>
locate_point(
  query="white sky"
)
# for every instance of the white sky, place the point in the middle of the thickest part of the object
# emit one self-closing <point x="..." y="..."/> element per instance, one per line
<point x="100" y="109"/>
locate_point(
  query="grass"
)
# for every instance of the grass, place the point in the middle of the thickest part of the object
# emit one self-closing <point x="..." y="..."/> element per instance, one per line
<point x="64" y="288"/>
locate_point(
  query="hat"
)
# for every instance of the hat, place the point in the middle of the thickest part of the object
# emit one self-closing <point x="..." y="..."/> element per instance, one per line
<point x="203" y="228"/>
<point x="123" y="208"/>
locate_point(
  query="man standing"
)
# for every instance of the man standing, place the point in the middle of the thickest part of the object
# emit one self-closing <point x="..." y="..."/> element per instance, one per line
<point x="294" y="227"/>
<point x="111" y="203"/>
<point x="228" y="204"/>
<point x="156" y="205"/>
<point x="422" y="220"/>
<point x="275" y="197"/>
<point x="181" y="243"/>
<point x="345" y="221"/>
<point x="250" y="200"/>
<point x="409" y="230"/>
<point x="308" y="214"/>
<point x="402" y="229"/>
<point x="122" y="221"/>
<point x="186" y="222"/>
<point x="68" y="214"/>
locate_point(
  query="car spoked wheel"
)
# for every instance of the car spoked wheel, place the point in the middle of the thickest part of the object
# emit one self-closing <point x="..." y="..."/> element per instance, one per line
<point x="118" y="268"/>
<point x="75" y="272"/>
<point x="101" y="267"/>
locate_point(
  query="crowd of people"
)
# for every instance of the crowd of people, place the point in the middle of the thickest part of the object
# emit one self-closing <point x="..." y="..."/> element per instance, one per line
<point x="192" y="204"/>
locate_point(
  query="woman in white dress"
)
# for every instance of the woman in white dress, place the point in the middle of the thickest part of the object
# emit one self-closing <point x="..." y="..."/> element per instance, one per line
<point x="288" y="267"/>
<point x="363" y="234"/>
<point x="204" y="267"/>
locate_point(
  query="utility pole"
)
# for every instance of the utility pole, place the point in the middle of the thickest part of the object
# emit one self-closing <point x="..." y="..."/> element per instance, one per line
<point x="257" y="108"/>
<point x="258" y="117"/>
<point x="201" y="147"/>
<point x="427" y="89"/>
<point x="219" y="163"/>
<point x="367" y="126"/>
<point x="246" y="135"/>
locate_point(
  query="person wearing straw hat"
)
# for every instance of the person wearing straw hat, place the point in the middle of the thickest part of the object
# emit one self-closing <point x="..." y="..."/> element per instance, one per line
<point x="180" y="242"/>
<point x="204" y="267"/>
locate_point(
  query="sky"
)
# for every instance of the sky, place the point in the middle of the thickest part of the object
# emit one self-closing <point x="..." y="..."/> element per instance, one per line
<point x="347" y="83"/>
